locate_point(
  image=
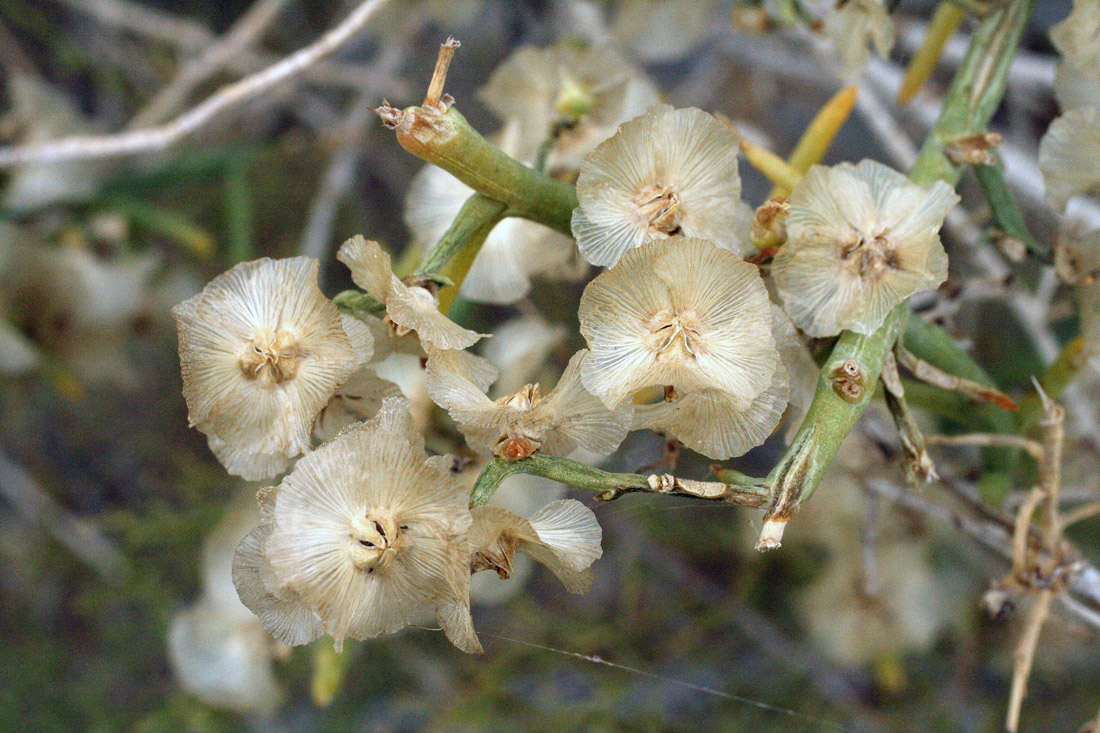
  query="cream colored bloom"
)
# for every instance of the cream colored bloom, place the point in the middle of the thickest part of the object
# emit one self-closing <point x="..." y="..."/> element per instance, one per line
<point x="371" y="534"/>
<point x="860" y="240"/>
<point x="1069" y="156"/>
<point x="357" y="399"/>
<point x="682" y="314"/>
<point x="1077" y="38"/>
<point x="856" y="25"/>
<point x="517" y="425"/>
<point x="262" y="351"/>
<point x="409" y="308"/>
<point x="515" y="250"/>
<point x="670" y="172"/>
<point x="711" y="423"/>
<point x="521" y="348"/>
<point x="587" y="91"/>
<point x="1078" y="262"/>
<point x="564" y="536"/>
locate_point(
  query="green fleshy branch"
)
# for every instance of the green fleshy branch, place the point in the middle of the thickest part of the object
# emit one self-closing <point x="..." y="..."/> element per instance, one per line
<point x="1005" y="211"/>
<point x="973" y="97"/>
<point x="478" y="215"/>
<point x="613" y="485"/>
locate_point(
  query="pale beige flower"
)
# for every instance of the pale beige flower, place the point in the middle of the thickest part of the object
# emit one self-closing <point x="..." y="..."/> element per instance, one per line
<point x="521" y="349"/>
<point x="519" y="424"/>
<point x="371" y="534"/>
<point x="1077" y="260"/>
<point x="1069" y="156"/>
<point x="261" y="352"/>
<point x="1077" y="38"/>
<point x="860" y="240"/>
<point x="515" y="250"/>
<point x="670" y="172"/>
<point x="564" y="536"/>
<point x="682" y="314"/>
<point x="355" y="400"/>
<point x="587" y="92"/>
<point x="856" y="25"/>
<point x="711" y="423"/>
<point x="408" y="307"/>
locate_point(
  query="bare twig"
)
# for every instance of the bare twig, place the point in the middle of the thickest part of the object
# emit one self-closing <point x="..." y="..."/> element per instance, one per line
<point x="159" y="138"/>
<point x="1025" y="655"/>
<point x="988" y="440"/>
<point x="208" y="61"/>
<point x="924" y="371"/>
<point x="1081" y="513"/>
<point x="82" y="539"/>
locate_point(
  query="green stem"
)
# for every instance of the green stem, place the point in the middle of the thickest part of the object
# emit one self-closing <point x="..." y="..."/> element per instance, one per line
<point x="975" y="93"/>
<point x="448" y="141"/>
<point x="238" y="211"/>
<point x="1054" y="381"/>
<point x="1005" y="212"/>
<point x="611" y="485"/>
<point x="474" y="220"/>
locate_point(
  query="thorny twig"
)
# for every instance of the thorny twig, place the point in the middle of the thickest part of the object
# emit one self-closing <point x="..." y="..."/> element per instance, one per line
<point x="158" y="138"/>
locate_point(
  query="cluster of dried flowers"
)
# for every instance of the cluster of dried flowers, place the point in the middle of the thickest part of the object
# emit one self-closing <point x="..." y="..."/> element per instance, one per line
<point x="685" y="336"/>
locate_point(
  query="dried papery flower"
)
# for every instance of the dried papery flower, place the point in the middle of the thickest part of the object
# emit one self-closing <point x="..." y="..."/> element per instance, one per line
<point x="802" y="370"/>
<point x="371" y="534"/>
<point x="357" y="399"/>
<point x="1077" y="38"/>
<point x="586" y="92"/>
<point x="564" y="536"/>
<point x="711" y="423"/>
<point x="281" y="611"/>
<point x="1069" y="156"/>
<point x="408" y="307"/>
<point x="517" y="425"/>
<point x="856" y="25"/>
<point x="1077" y="259"/>
<point x="515" y="250"/>
<point x="682" y="314"/>
<point x="262" y="351"/>
<point x="860" y="239"/>
<point x="669" y="172"/>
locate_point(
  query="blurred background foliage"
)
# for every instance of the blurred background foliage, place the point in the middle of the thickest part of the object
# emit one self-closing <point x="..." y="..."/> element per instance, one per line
<point x="108" y="497"/>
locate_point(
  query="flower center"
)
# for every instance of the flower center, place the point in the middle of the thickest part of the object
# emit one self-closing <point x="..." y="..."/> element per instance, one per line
<point x="271" y="358"/>
<point x="870" y="258"/>
<point x="375" y="540"/>
<point x="660" y="206"/>
<point x="675" y="336"/>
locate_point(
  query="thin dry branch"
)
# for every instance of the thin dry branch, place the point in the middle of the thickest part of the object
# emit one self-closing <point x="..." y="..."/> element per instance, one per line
<point x="208" y="61"/>
<point x="926" y="372"/>
<point x="1024" y="656"/>
<point x="158" y="138"/>
<point x="988" y="440"/>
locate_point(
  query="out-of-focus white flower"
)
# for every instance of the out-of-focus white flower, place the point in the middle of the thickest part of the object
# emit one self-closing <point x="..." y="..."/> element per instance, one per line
<point x="515" y="250"/>
<point x="908" y="609"/>
<point x="223" y="661"/>
<point x="856" y="25"/>
<point x="517" y="425"/>
<point x="802" y="370"/>
<point x="682" y="314"/>
<point x="564" y="536"/>
<point x="409" y="308"/>
<point x="371" y="534"/>
<point x="1077" y="260"/>
<point x="262" y="351"/>
<point x="587" y="92"/>
<point x="1069" y="156"/>
<point x="41" y="113"/>
<point x="1077" y="38"/>
<point x="669" y="172"/>
<point x="17" y="353"/>
<point x="662" y="30"/>
<point x="860" y="240"/>
<point x="217" y="647"/>
<point x="521" y="349"/>
<point x="81" y="307"/>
